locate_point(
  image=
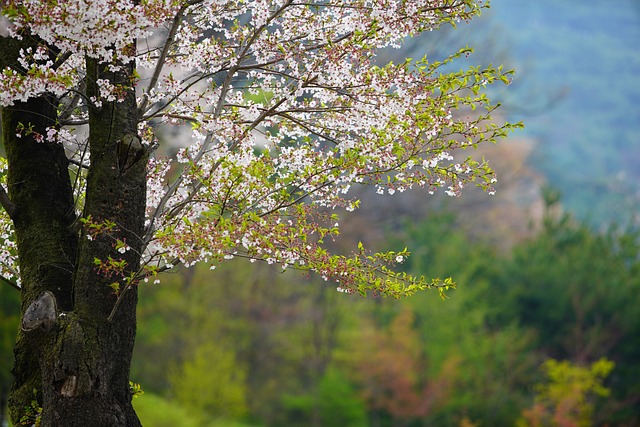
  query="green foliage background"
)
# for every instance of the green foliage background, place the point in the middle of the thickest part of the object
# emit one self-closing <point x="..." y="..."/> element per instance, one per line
<point x="246" y="345"/>
<point x="298" y="353"/>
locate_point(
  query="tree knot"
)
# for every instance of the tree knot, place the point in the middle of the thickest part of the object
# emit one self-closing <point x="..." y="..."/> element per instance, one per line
<point x="42" y="313"/>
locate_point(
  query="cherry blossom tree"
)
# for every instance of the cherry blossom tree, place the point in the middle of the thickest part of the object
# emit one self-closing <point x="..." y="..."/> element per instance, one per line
<point x="278" y="108"/>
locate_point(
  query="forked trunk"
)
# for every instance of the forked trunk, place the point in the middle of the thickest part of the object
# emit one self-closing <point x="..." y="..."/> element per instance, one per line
<point x="72" y="361"/>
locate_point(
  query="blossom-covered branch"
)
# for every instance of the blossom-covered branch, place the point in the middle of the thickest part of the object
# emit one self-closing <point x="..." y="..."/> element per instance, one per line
<point x="286" y="108"/>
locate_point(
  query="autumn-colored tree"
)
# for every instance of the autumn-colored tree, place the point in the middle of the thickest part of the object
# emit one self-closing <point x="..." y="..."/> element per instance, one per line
<point x="287" y="109"/>
<point x="391" y="370"/>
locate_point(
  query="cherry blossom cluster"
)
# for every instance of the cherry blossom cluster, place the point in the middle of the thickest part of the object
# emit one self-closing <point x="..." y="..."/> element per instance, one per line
<point x="9" y="268"/>
<point x="69" y="30"/>
<point x="288" y="109"/>
<point x="37" y="76"/>
<point x="102" y="29"/>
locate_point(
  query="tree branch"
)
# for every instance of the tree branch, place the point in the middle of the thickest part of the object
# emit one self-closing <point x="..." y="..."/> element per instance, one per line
<point x="11" y="283"/>
<point x="6" y="203"/>
<point x="163" y="56"/>
<point x="79" y="164"/>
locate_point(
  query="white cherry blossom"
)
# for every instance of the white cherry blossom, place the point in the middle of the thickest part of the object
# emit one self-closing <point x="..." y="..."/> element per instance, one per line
<point x="288" y="110"/>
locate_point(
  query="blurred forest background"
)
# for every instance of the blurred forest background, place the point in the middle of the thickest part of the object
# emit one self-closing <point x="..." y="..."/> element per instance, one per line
<point x="544" y="328"/>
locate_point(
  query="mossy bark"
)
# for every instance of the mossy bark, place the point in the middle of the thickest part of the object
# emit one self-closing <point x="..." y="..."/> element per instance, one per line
<point x="77" y="369"/>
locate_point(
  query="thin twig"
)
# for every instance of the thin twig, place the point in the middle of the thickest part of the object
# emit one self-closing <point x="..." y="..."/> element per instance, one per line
<point x="163" y="56"/>
<point x="11" y="283"/>
<point x="134" y="281"/>
<point x="79" y="164"/>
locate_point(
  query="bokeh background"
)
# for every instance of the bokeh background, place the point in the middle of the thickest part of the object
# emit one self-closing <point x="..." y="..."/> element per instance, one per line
<point x="544" y="326"/>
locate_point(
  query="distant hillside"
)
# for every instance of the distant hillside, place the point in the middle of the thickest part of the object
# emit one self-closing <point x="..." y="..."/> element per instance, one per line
<point x="576" y="89"/>
<point x="590" y="139"/>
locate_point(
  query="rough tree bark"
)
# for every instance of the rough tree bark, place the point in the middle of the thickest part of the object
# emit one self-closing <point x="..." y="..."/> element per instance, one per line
<point x="77" y="364"/>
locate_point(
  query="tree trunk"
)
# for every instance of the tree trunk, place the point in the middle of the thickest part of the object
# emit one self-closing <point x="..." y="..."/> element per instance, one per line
<point x="3" y="404"/>
<point x="75" y="363"/>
